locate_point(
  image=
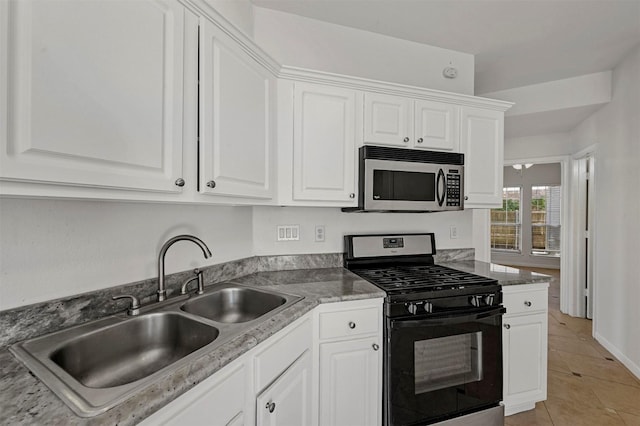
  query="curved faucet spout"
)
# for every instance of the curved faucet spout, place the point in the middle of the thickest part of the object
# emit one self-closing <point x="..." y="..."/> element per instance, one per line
<point x="162" y="292"/>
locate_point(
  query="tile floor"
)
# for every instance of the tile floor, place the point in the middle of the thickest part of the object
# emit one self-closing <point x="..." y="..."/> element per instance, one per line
<point x="586" y="385"/>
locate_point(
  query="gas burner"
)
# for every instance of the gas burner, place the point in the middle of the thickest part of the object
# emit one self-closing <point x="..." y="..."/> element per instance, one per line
<point x="404" y="279"/>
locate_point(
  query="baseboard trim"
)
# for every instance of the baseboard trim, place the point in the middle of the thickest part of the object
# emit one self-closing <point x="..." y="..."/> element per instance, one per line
<point x="633" y="367"/>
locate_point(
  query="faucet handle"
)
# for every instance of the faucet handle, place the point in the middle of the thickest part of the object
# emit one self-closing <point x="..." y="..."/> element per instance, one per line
<point x="134" y="309"/>
<point x="199" y="277"/>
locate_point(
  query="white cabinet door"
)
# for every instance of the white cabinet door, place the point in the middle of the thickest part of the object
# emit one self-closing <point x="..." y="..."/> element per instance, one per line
<point x="235" y="114"/>
<point x="93" y="100"/>
<point x="350" y="382"/>
<point x="218" y="400"/>
<point x="388" y="120"/>
<point x="437" y="126"/>
<point x="324" y="144"/>
<point x="482" y="143"/>
<point x="287" y="402"/>
<point x="525" y="357"/>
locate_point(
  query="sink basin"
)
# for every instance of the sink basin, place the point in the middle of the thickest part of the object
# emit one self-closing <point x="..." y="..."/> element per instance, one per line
<point x="94" y="366"/>
<point x="132" y="350"/>
<point x="234" y="304"/>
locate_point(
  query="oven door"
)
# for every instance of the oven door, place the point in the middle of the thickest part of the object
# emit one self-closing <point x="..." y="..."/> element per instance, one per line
<point x="437" y="368"/>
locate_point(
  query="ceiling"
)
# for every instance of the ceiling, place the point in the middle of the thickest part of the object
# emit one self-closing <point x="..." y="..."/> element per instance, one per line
<point x="515" y="42"/>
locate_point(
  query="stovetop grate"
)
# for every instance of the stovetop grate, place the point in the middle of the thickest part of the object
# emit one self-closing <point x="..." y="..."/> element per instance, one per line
<point x="421" y="277"/>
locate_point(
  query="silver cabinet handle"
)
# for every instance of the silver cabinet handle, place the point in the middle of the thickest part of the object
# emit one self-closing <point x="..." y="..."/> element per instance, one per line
<point x="211" y="184"/>
<point x="352" y="195"/>
<point x="271" y="406"/>
<point x="420" y="140"/>
<point x="375" y="346"/>
<point x="180" y="182"/>
<point x="352" y="325"/>
<point x="527" y="303"/>
<point x="406" y="139"/>
<point x="507" y="326"/>
<point x="466" y="198"/>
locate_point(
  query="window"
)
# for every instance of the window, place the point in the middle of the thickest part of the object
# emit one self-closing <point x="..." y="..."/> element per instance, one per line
<point x="506" y="223"/>
<point x="545" y="220"/>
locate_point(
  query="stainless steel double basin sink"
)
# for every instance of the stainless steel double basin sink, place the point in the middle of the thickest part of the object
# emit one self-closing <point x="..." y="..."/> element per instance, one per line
<point x="95" y="366"/>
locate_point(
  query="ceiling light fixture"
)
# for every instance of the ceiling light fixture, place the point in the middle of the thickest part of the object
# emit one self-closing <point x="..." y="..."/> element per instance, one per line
<point x="519" y="166"/>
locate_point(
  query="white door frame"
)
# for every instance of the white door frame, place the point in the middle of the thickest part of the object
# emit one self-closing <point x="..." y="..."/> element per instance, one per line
<point x="578" y="201"/>
<point x="567" y="275"/>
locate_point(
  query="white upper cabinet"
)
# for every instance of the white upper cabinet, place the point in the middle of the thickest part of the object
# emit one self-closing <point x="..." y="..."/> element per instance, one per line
<point x="91" y="99"/>
<point x="324" y="148"/>
<point x="482" y="143"/>
<point x="410" y="123"/>
<point x="437" y="126"/>
<point x="235" y="119"/>
<point x="388" y="120"/>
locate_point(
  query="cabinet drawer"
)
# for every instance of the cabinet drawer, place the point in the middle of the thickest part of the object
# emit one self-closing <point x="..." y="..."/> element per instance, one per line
<point x="277" y="357"/>
<point x="349" y="323"/>
<point x="524" y="302"/>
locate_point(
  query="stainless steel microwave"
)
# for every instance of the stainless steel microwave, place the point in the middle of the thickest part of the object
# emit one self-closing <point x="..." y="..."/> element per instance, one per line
<point x="406" y="180"/>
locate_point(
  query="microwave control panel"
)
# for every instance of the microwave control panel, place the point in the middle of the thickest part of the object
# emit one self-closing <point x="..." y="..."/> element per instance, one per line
<point x="454" y="187"/>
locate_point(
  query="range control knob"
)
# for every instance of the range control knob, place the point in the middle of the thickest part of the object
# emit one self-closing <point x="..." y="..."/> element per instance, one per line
<point x="428" y="307"/>
<point x="475" y="301"/>
<point x="488" y="299"/>
<point x="412" y="308"/>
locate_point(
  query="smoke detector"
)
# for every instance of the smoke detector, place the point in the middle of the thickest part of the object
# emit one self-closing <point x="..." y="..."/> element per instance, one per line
<point x="450" y="72"/>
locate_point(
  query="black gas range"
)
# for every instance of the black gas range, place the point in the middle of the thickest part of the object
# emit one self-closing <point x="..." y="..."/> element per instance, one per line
<point x="443" y="338"/>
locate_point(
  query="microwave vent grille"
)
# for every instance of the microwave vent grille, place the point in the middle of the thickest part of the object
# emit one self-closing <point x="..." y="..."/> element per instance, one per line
<point x="410" y="155"/>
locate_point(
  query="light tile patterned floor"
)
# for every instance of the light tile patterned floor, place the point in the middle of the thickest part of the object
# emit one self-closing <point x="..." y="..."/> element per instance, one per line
<point x="586" y="385"/>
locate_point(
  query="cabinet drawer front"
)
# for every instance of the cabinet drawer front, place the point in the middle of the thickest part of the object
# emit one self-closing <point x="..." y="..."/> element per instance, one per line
<point x="349" y="323"/>
<point x="276" y="358"/>
<point x="523" y="302"/>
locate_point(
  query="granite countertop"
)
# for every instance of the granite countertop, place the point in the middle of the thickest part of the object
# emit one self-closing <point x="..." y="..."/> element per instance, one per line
<point x="26" y="400"/>
<point x="505" y="275"/>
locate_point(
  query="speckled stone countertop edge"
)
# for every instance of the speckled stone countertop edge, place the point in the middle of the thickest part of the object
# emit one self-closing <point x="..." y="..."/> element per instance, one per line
<point x="25" y="400"/>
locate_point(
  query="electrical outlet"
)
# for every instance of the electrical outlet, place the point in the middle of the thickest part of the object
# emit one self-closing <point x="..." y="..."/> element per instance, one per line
<point x="319" y="233"/>
<point x="288" y="233"/>
<point x="453" y="232"/>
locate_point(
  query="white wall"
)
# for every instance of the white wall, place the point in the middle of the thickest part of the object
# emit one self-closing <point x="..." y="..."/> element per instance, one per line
<point x="337" y="224"/>
<point x="616" y="129"/>
<point x="552" y="145"/>
<point x="308" y="43"/>
<point x="57" y="248"/>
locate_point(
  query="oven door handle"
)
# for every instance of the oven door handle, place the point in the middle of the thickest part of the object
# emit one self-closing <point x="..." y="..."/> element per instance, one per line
<point x="449" y="319"/>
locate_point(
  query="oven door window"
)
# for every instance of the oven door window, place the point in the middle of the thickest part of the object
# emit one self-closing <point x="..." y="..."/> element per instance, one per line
<point x="393" y="185"/>
<point x="438" y="370"/>
<point x="447" y="361"/>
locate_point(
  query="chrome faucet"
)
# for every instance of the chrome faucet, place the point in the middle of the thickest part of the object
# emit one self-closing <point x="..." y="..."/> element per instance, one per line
<point x="162" y="292"/>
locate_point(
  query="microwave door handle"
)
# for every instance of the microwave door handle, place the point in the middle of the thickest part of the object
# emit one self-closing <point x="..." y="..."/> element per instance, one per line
<point x="441" y="183"/>
<point x="449" y="319"/>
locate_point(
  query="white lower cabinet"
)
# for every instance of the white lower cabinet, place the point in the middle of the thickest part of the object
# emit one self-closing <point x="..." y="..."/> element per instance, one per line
<point x="350" y="382"/>
<point x="350" y="363"/>
<point x="296" y="377"/>
<point x="288" y="400"/>
<point x="524" y="338"/>
<point x="218" y="400"/>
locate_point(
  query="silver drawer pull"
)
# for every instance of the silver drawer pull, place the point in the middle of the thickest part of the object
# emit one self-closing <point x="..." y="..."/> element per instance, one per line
<point x="375" y="346"/>
<point x="271" y="406"/>
<point x="507" y="326"/>
<point x="527" y="303"/>
<point x="352" y="325"/>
